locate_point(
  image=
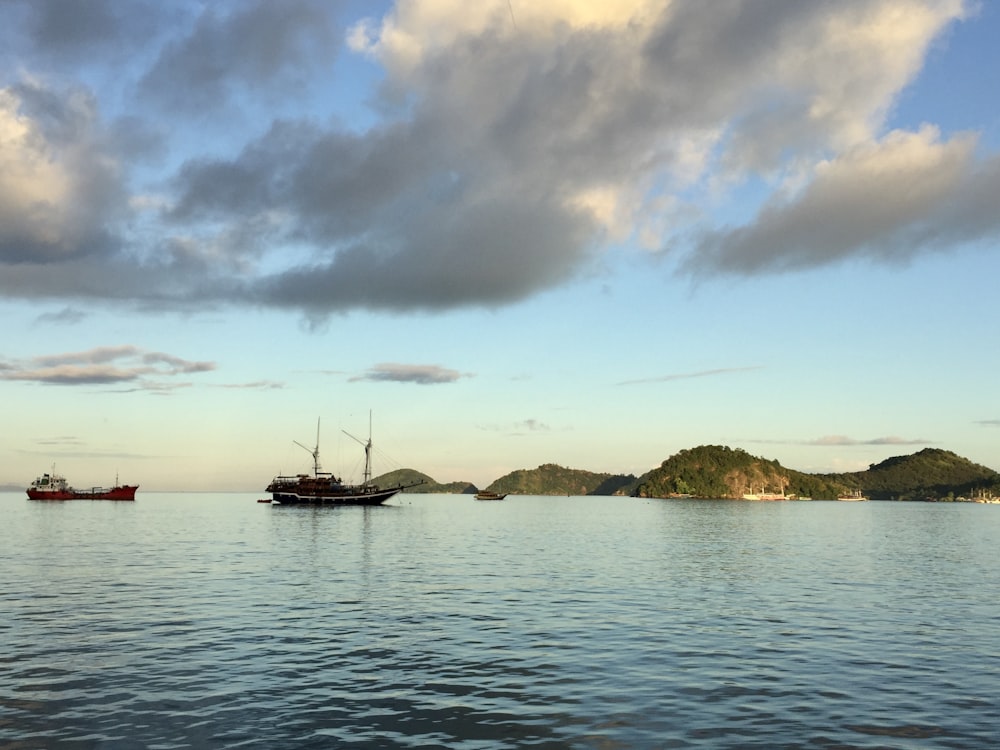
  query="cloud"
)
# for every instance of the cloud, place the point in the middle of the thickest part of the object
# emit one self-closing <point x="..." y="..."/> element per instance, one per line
<point x="61" y="440"/>
<point x="890" y="200"/>
<point x="505" y="146"/>
<point x="112" y="365"/>
<point x="68" y="446"/>
<point x="67" y="316"/>
<point x="835" y="440"/>
<point x="76" y="33"/>
<point x="393" y="372"/>
<point x="522" y="427"/>
<point x="989" y="422"/>
<point x="255" y="46"/>
<point x="259" y="385"/>
<point x="688" y="375"/>
<point x="60" y="187"/>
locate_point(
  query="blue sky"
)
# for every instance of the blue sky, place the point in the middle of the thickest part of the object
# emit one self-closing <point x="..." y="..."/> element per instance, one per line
<point x="515" y="233"/>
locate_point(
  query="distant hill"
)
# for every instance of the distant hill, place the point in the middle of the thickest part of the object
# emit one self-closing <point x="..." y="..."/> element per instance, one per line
<point x="717" y="471"/>
<point x="411" y="476"/>
<point x="930" y="474"/>
<point x="551" y="479"/>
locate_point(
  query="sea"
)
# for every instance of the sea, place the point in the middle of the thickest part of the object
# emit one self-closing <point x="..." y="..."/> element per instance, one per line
<point x="438" y="621"/>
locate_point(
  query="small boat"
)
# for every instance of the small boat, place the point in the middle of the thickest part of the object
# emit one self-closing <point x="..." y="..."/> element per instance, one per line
<point x="852" y="497"/>
<point x="762" y="495"/>
<point x="264" y="500"/>
<point x="324" y="488"/>
<point x="54" y="487"/>
<point x="484" y="495"/>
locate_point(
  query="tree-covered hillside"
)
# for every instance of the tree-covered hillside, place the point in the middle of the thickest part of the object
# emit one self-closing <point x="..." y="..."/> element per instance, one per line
<point x="716" y="471"/>
<point x="930" y="474"/>
<point x="428" y="485"/>
<point x="550" y="479"/>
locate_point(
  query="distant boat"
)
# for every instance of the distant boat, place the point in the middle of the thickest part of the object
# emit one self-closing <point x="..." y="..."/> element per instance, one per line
<point x="764" y="495"/>
<point x="54" y="487"/>
<point x="484" y="495"/>
<point x="852" y="497"/>
<point x="323" y="488"/>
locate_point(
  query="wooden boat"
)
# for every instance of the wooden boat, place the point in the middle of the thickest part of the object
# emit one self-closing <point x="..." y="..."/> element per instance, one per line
<point x="484" y="495"/>
<point x="324" y="488"/>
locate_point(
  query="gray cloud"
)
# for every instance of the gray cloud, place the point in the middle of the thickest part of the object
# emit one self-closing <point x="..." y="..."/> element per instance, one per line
<point x="497" y="159"/>
<point x="904" y="196"/>
<point x="259" y="385"/>
<point x="65" y="316"/>
<point x="522" y="427"/>
<point x="689" y="375"/>
<point x="989" y="422"/>
<point x="60" y="190"/>
<point x="74" y="32"/>
<point x="393" y="372"/>
<point x="255" y="45"/>
<point x="111" y="365"/>
<point x="833" y="440"/>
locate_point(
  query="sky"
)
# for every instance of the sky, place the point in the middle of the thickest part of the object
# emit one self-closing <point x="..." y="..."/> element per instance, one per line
<point x="494" y="235"/>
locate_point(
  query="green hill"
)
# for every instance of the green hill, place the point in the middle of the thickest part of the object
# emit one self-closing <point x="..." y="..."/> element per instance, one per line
<point x="411" y="477"/>
<point x="717" y="471"/>
<point x="550" y="479"/>
<point x="930" y="474"/>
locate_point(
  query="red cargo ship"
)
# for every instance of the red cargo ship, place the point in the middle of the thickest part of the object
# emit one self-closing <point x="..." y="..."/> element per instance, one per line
<point x="54" y="487"/>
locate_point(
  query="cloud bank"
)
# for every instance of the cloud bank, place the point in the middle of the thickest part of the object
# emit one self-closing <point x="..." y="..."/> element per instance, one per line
<point x="112" y="365"/>
<point x="833" y="440"/>
<point x="393" y="372"/>
<point x="690" y="375"/>
<point x="187" y="156"/>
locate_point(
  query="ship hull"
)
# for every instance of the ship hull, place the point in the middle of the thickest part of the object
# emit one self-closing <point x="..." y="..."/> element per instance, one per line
<point x="490" y="496"/>
<point x="125" y="492"/>
<point x="373" y="497"/>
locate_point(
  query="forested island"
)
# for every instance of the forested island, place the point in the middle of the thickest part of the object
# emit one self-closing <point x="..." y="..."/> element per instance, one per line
<point x="720" y="472"/>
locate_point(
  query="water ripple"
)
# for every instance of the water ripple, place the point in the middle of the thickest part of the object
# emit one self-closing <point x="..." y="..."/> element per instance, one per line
<point x="209" y="622"/>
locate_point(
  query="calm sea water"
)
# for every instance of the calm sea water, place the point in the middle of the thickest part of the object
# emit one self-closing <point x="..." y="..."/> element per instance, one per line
<point x="211" y="621"/>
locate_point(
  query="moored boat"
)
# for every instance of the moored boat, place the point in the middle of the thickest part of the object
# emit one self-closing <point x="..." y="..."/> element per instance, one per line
<point x="55" y="487"/>
<point x="762" y="495"/>
<point x="324" y="488"/>
<point x="852" y="497"/>
<point x="484" y="495"/>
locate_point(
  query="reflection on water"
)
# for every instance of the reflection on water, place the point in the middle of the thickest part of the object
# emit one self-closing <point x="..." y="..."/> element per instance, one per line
<point x="212" y="621"/>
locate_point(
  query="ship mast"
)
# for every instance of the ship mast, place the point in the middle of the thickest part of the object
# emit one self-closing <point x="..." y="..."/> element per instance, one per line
<point x="368" y="449"/>
<point x="314" y="452"/>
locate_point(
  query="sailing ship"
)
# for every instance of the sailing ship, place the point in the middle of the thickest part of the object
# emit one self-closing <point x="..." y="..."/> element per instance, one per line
<point x="325" y="488"/>
<point x="54" y="487"/>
